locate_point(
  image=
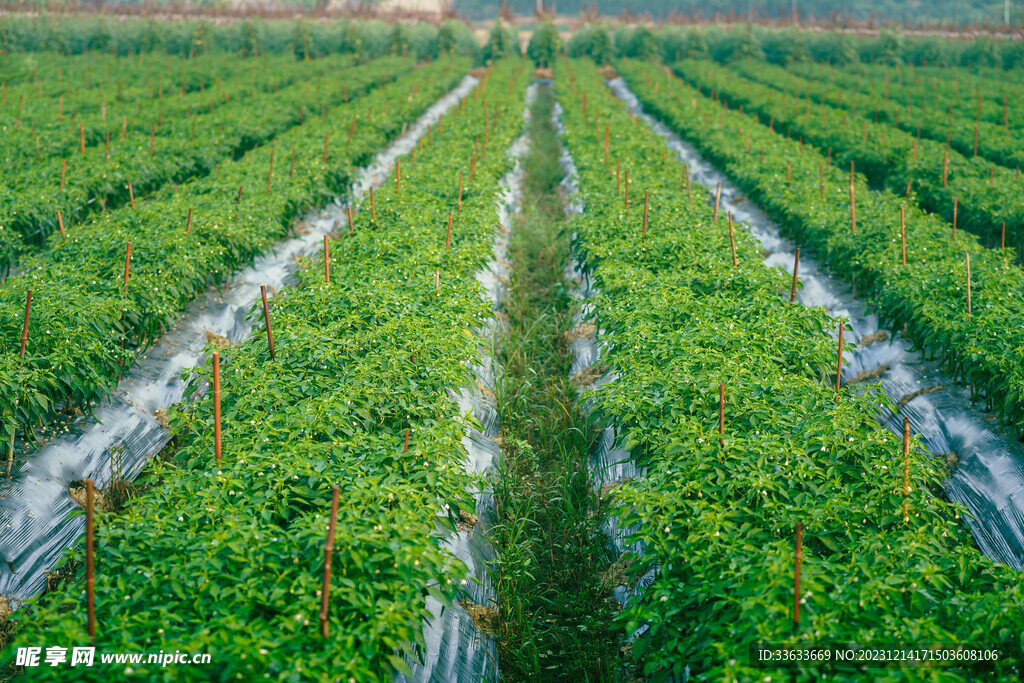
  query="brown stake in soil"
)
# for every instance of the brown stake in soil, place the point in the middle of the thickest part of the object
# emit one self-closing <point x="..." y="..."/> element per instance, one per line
<point x="266" y="317"/>
<point x="328" y="551"/>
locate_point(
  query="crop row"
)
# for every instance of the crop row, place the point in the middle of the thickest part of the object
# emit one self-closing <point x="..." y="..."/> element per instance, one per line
<point x="87" y="321"/>
<point x="932" y="119"/>
<point x="943" y="181"/>
<point x="360" y="362"/>
<point x="991" y="84"/>
<point x="53" y="126"/>
<point x="884" y="558"/>
<point x="188" y="148"/>
<point x="979" y="341"/>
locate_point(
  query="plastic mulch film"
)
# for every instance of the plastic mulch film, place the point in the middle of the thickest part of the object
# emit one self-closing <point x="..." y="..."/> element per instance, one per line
<point x="456" y="649"/>
<point x="129" y="428"/>
<point x="986" y="467"/>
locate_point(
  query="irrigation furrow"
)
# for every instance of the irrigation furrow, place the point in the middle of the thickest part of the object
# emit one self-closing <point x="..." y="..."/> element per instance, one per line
<point x="987" y="467"/>
<point x="128" y="429"/>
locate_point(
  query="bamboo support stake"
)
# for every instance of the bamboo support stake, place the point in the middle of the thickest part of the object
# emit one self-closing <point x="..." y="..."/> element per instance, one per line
<point x="24" y="328"/>
<point x="721" y="415"/>
<point x="266" y="317"/>
<point x="839" y="362"/>
<point x="732" y="242"/>
<point x="1002" y="236"/>
<point x="798" y="557"/>
<point x="63" y="171"/>
<point x="405" y="448"/>
<point x="292" y="173"/>
<point x="188" y="221"/>
<point x="351" y="228"/>
<point x="906" y="469"/>
<point x="238" y="199"/>
<point x="106" y="147"/>
<point x="270" y="171"/>
<point x="90" y="576"/>
<point x="647" y="196"/>
<point x="945" y="167"/>
<point x="796" y="267"/>
<point x="328" y="552"/>
<point x="448" y="238"/>
<point x="953" y="236"/>
<point x="152" y="140"/>
<point x="327" y="140"/>
<point x="373" y="207"/>
<point x="789" y="171"/>
<point x="327" y="261"/>
<point x="351" y="130"/>
<point x="131" y="194"/>
<point x="60" y="223"/>
<point x="903" y="237"/>
<point x="81" y="136"/>
<point x="625" y="181"/>
<point x="968" y="285"/>
<point x="127" y="263"/>
<point x="718" y="199"/>
<point x="216" y="407"/>
<point x="853" y="205"/>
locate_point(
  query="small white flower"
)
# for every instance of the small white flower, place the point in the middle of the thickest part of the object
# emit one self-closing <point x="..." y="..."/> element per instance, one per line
<point x="264" y="651"/>
<point x="667" y="530"/>
<point x="664" y="598"/>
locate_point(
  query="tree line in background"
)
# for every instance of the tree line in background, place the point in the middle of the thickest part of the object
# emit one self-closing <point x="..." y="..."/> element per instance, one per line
<point x="367" y="39"/>
<point x="932" y="12"/>
<point x="784" y="45"/>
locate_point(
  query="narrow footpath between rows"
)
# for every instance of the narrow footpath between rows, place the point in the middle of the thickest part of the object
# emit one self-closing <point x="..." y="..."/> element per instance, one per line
<point x="556" y="617"/>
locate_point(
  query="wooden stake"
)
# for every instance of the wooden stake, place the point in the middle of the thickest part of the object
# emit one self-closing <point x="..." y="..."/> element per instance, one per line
<point x="90" y="576"/>
<point x="188" y="221"/>
<point x="373" y="207"/>
<point x="238" y="199"/>
<point x="718" y="198"/>
<point x="327" y="261"/>
<point x="625" y="181"/>
<point x="405" y="448"/>
<point x="60" y="223"/>
<point x="127" y="263"/>
<point x="647" y="195"/>
<point x="270" y="172"/>
<point x="350" y="226"/>
<point x="721" y="415"/>
<point x="63" y="170"/>
<point x="266" y="317"/>
<point x="448" y="238"/>
<point x="24" y="328"/>
<point x="945" y="167"/>
<point x="152" y="139"/>
<point x="906" y="468"/>
<point x="796" y="267"/>
<point x="968" y="286"/>
<point x="106" y="147"/>
<point x="839" y="362"/>
<point x="216" y="407"/>
<point x="328" y="552"/>
<point x="131" y="194"/>
<point x="953" y="236"/>
<point x="798" y="557"/>
<point x="81" y="136"/>
<point x="1002" y="236"/>
<point x="853" y="205"/>
<point x="903" y="237"/>
<point x="732" y="242"/>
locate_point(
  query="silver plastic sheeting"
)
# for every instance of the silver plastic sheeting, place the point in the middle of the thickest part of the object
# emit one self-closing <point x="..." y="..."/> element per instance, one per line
<point x="456" y="650"/>
<point x="988" y="478"/>
<point x="35" y="526"/>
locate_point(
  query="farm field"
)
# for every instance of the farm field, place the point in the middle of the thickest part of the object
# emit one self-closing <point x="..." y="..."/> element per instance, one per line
<point x="357" y="350"/>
